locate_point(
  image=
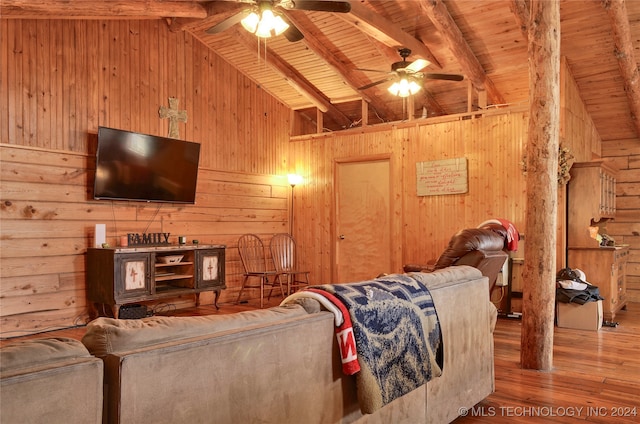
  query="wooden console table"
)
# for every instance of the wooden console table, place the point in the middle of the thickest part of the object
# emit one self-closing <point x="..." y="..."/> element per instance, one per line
<point x="119" y="276"/>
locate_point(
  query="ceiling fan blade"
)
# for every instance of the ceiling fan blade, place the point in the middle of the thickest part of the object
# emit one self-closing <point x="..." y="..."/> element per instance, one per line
<point x="317" y="5"/>
<point x="372" y="70"/>
<point x="448" y="77"/>
<point x="417" y="65"/>
<point x="373" y="84"/>
<point x="292" y="33"/>
<point x="228" y="23"/>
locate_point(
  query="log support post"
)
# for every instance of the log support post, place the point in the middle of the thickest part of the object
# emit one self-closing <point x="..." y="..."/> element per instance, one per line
<point x="319" y="121"/>
<point x="538" y="304"/>
<point x="365" y="113"/>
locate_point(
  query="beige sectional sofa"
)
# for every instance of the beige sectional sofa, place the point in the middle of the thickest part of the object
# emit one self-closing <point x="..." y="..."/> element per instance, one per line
<point x="281" y="365"/>
<point x="50" y="381"/>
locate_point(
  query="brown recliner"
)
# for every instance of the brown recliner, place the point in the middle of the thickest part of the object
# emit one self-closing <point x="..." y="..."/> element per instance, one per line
<point x="482" y="248"/>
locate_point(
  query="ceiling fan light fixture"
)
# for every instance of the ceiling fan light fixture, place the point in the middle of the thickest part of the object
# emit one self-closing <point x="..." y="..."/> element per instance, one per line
<point x="265" y="24"/>
<point x="404" y="87"/>
<point x="250" y="22"/>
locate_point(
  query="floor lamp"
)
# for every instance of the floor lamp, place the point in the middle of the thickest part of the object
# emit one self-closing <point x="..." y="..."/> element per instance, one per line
<point x="294" y="180"/>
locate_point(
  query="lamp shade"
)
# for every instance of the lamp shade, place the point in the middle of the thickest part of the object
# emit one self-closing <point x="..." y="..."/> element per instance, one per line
<point x="265" y="24"/>
<point x="294" y="179"/>
<point x="250" y="22"/>
<point x="404" y="87"/>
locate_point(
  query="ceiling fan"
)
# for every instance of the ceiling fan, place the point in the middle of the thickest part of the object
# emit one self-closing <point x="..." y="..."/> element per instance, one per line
<point x="407" y="76"/>
<point x="264" y="20"/>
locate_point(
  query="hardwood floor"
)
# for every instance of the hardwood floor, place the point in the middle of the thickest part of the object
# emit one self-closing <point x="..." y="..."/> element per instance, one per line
<point x="595" y="377"/>
<point x="596" y="374"/>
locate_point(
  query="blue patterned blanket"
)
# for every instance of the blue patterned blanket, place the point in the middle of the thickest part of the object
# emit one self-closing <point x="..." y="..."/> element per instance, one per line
<point x="397" y="334"/>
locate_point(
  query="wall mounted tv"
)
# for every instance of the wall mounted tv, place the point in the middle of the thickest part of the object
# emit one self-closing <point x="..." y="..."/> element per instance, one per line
<point x="141" y="167"/>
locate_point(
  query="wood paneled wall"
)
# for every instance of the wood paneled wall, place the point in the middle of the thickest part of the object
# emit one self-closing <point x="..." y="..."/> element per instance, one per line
<point x="578" y="132"/>
<point x="492" y="143"/>
<point x="625" y="228"/>
<point x="48" y="221"/>
<point x="60" y="80"/>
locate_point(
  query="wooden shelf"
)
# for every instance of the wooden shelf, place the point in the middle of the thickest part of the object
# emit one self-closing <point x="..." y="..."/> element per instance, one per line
<point x="170" y="277"/>
<point x="161" y="265"/>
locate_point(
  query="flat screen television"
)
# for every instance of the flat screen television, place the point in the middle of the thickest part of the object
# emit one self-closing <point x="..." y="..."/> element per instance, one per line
<point x="141" y="167"/>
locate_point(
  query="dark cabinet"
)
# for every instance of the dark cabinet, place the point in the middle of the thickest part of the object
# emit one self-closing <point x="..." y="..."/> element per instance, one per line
<point x="118" y="276"/>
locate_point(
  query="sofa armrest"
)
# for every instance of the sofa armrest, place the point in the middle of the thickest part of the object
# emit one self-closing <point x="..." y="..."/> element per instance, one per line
<point x="428" y="267"/>
<point x="52" y="380"/>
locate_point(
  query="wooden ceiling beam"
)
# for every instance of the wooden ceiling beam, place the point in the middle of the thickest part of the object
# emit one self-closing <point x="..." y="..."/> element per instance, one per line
<point x="217" y="11"/>
<point x="427" y="98"/>
<point x="439" y="15"/>
<point x="100" y="9"/>
<point x="385" y="31"/>
<point x="388" y="38"/>
<point x="314" y="40"/>
<point x="293" y="78"/>
<point x="624" y="52"/>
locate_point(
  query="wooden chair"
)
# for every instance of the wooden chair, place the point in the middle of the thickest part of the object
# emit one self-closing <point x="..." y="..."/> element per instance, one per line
<point x="254" y="261"/>
<point x="283" y="252"/>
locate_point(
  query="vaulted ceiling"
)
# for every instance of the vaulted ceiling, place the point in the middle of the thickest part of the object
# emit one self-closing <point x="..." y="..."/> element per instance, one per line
<point x="483" y="40"/>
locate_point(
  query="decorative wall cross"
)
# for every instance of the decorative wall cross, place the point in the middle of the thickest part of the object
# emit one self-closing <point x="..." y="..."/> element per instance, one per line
<point x="174" y="116"/>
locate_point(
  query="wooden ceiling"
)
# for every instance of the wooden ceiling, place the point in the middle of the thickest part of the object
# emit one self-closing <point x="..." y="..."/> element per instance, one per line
<point x="483" y="40"/>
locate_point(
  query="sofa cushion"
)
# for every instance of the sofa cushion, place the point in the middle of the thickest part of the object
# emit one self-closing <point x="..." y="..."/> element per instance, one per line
<point x="109" y="335"/>
<point x="39" y="352"/>
<point x="448" y="276"/>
